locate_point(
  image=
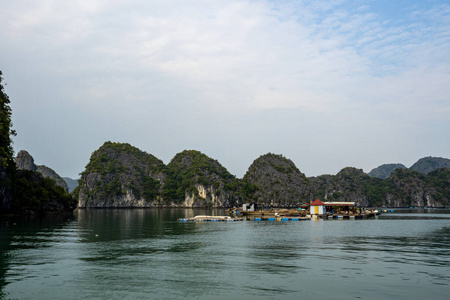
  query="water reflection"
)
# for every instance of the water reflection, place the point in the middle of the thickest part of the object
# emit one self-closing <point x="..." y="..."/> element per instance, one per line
<point x="5" y="241"/>
<point x="119" y="224"/>
<point x="20" y="233"/>
<point x="420" y="249"/>
<point x="142" y="253"/>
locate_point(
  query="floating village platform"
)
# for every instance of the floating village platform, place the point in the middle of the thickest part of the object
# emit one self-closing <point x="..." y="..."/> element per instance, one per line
<point x="210" y="219"/>
<point x="281" y="218"/>
<point x="284" y="218"/>
<point x="315" y="210"/>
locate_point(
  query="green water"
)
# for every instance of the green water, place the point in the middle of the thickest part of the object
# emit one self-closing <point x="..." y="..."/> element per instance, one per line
<point x="148" y="254"/>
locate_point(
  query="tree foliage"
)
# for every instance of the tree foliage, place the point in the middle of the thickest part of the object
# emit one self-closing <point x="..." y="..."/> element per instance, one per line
<point x="24" y="190"/>
<point x="6" y="150"/>
<point x="7" y="166"/>
<point x="34" y="193"/>
<point x="191" y="168"/>
<point x="121" y="168"/>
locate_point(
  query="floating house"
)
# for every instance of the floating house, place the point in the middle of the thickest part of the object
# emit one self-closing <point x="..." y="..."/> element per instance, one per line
<point x="248" y="207"/>
<point x="317" y="208"/>
<point x="341" y="207"/>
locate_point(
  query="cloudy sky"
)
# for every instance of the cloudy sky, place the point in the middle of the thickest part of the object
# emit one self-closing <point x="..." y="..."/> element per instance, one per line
<point x="328" y="84"/>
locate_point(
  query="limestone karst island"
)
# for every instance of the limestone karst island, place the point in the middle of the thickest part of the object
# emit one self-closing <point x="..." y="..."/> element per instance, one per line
<point x="120" y="175"/>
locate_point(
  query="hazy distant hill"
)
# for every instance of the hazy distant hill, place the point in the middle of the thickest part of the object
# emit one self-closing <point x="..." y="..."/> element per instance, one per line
<point x="24" y="161"/>
<point x="427" y="164"/>
<point x="71" y="183"/>
<point x="384" y="171"/>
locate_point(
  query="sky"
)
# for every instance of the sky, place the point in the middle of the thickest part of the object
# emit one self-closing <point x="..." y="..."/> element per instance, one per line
<point x="327" y="84"/>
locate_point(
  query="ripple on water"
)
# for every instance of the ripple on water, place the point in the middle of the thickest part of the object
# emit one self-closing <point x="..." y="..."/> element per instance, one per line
<point x="134" y="254"/>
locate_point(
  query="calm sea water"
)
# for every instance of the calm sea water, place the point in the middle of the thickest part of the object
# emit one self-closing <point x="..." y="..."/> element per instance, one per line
<point x="148" y="254"/>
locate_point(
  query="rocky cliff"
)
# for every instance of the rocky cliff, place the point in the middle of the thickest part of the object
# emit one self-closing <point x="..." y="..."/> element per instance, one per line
<point x="411" y="188"/>
<point x="120" y="175"/>
<point x="350" y="184"/>
<point x="277" y="181"/>
<point x="196" y="180"/>
<point x="24" y="161"/>
<point x="404" y="188"/>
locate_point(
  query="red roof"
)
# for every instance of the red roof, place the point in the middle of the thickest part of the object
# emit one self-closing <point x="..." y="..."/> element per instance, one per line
<point x="317" y="202"/>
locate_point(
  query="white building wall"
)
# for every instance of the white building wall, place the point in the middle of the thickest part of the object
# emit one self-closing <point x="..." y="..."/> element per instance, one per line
<point x="322" y="210"/>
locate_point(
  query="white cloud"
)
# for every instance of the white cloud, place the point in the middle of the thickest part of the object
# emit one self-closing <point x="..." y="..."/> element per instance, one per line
<point x="130" y="60"/>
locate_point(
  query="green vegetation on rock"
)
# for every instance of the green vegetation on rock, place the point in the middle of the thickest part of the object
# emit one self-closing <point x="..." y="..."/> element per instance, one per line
<point x="404" y="188"/>
<point x="275" y="180"/>
<point x="6" y="151"/>
<point x="35" y="194"/>
<point x="117" y="171"/>
<point x="123" y="176"/>
<point x="190" y="169"/>
<point x="25" y="191"/>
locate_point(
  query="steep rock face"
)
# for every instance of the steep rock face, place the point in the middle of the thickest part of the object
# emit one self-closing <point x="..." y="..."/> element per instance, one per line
<point x="350" y="184"/>
<point x="438" y="181"/>
<point x="427" y="164"/>
<point x="411" y="188"/>
<point x="275" y="180"/>
<point x="195" y="180"/>
<point x="24" y="161"/>
<point x="120" y="175"/>
<point x="404" y="188"/>
<point x="384" y="171"/>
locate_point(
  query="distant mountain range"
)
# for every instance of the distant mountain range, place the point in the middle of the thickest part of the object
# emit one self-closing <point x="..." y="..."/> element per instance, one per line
<point x="424" y="165"/>
<point x="120" y="175"/>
